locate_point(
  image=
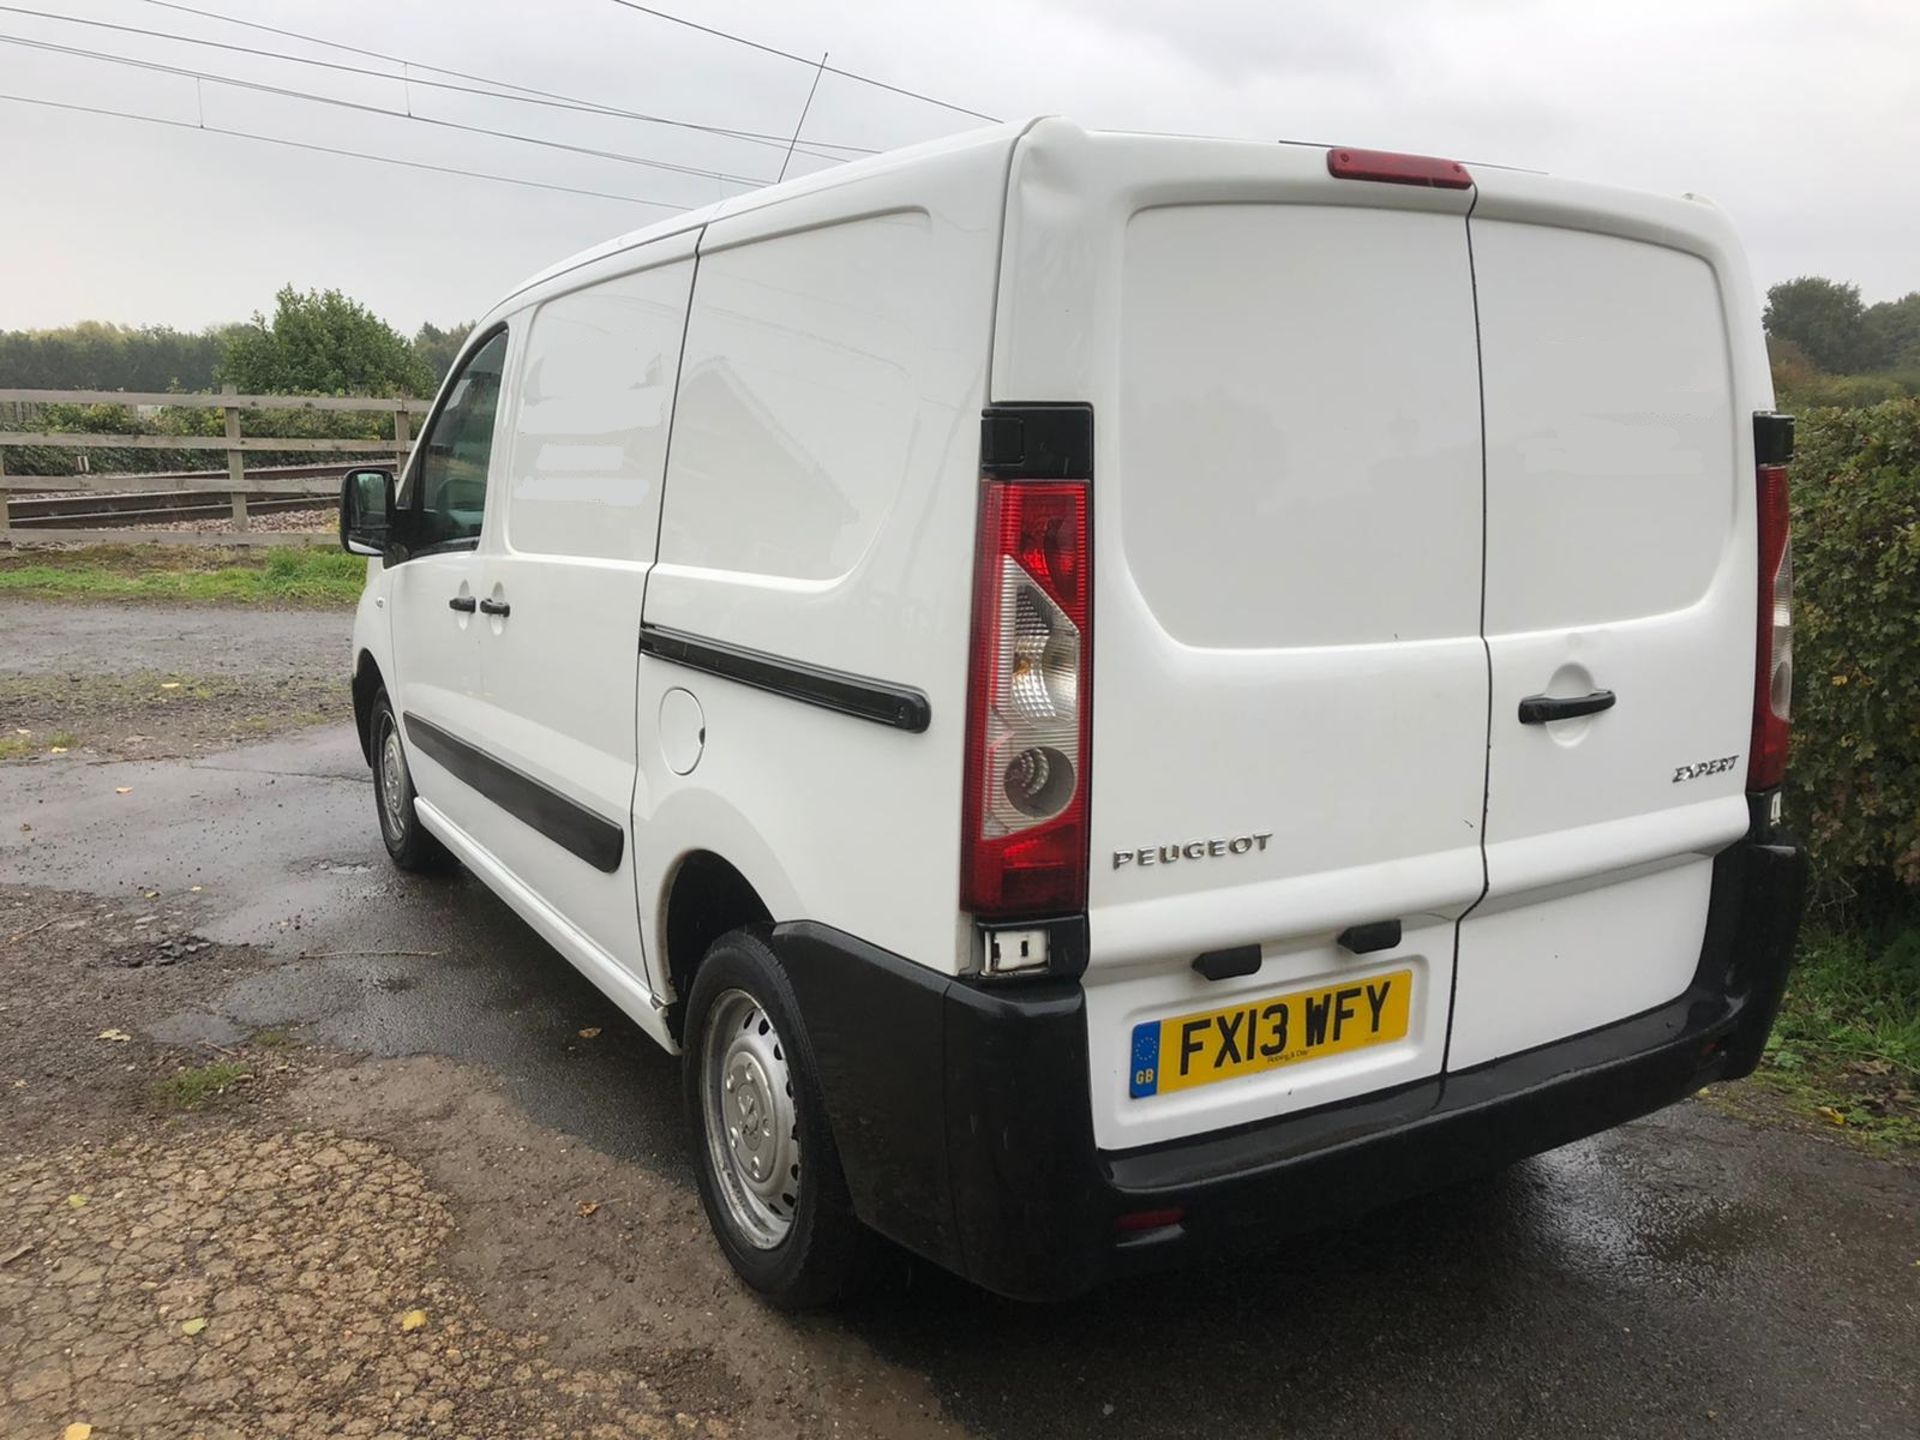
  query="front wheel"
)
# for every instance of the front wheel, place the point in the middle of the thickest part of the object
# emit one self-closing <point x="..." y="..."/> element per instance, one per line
<point x="409" y="844"/>
<point x="768" y="1171"/>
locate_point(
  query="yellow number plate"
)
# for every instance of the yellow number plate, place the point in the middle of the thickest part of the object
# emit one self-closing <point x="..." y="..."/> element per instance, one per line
<point x="1266" y="1033"/>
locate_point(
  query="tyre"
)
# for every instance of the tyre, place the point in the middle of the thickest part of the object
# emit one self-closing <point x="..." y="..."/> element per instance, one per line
<point x="768" y="1172"/>
<point x="409" y="844"/>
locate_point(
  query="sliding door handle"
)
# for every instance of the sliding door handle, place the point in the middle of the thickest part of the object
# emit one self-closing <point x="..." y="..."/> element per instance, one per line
<point x="496" y="607"/>
<point x="1542" y="709"/>
<point x="463" y="603"/>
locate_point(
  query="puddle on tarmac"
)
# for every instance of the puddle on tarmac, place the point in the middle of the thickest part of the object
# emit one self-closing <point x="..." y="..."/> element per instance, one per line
<point x="1594" y="1209"/>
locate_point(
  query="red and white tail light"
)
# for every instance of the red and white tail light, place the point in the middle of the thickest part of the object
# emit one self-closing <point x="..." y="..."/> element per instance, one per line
<point x="1773" y="666"/>
<point x="1029" y="694"/>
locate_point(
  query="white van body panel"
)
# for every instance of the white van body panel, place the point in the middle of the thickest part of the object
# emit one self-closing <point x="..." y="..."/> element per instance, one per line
<point x="438" y="660"/>
<point x="572" y="526"/>
<point x="820" y="505"/>
<point x="1620" y="556"/>
<point x="1287" y="533"/>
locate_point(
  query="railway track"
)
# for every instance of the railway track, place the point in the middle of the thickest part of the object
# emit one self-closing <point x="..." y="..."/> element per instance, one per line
<point x="151" y="507"/>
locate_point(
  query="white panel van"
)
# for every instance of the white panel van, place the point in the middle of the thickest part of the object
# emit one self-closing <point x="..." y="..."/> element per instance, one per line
<point x="1113" y="694"/>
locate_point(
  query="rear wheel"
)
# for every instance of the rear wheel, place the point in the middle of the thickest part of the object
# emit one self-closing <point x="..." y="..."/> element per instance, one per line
<point x="409" y="844"/>
<point x="769" y="1174"/>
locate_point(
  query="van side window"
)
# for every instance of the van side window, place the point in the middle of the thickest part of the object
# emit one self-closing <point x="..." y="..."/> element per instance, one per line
<point x="454" y="452"/>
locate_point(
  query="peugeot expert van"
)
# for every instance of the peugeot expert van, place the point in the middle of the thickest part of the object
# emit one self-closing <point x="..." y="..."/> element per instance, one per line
<point x="1113" y="694"/>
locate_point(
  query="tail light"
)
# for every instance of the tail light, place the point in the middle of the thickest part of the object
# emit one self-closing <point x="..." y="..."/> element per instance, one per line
<point x="1773" y="666"/>
<point x="1029" y="693"/>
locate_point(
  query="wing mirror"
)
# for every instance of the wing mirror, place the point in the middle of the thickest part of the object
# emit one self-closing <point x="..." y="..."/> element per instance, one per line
<point x="367" y="512"/>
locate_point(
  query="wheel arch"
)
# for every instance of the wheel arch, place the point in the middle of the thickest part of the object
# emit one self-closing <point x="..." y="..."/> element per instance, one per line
<point x="706" y="896"/>
<point x="367" y="683"/>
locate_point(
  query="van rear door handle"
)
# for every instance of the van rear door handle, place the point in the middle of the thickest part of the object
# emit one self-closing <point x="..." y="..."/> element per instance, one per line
<point x="1540" y="709"/>
<point x="496" y="607"/>
<point x="463" y="603"/>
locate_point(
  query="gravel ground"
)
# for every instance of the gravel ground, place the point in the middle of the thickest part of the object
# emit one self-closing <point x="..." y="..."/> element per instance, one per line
<point x="141" y="682"/>
<point x="158" y="713"/>
<point x="240" y="1283"/>
<point x="322" y="521"/>
<point x="333" y="1246"/>
<point x="67" y="638"/>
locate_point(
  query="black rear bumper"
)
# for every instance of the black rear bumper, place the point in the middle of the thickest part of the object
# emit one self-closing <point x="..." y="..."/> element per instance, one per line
<point x="964" y="1124"/>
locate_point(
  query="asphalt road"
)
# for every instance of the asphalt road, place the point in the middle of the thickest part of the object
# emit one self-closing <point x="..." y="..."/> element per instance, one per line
<point x="1686" y="1274"/>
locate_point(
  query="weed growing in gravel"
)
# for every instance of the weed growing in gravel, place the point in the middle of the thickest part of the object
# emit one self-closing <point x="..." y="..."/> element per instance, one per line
<point x="194" y="1089"/>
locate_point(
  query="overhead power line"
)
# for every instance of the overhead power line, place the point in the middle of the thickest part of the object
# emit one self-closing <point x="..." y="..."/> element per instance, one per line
<point x="332" y="150"/>
<point x="814" y="65"/>
<point x="542" y="99"/>
<point x="260" y="87"/>
<point x="458" y="74"/>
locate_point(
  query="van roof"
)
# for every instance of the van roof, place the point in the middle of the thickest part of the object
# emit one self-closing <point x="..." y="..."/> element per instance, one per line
<point x="1569" y="198"/>
<point x="982" y="137"/>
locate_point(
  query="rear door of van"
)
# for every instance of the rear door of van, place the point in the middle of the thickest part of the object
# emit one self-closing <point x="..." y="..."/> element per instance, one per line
<point x="1620" y="582"/>
<point x="1290" y="689"/>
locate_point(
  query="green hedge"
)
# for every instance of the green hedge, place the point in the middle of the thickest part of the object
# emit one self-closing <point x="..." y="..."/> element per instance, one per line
<point x="1855" y="773"/>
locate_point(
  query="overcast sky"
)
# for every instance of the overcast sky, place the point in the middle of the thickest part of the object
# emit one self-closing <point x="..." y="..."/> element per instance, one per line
<point x="1801" y="117"/>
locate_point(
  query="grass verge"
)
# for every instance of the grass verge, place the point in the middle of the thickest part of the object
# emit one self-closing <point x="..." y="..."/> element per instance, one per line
<point x="312" y="577"/>
<point x="1845" y="1052"/>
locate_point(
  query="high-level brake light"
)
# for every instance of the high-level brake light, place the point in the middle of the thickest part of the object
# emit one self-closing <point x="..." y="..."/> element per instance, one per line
<point x="1344" y="163"/>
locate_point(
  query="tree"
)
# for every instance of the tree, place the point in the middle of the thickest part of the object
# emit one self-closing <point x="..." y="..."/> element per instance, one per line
<point x="322" y="343"/>
<point x="1825" y="319"/>
<point x="1893" y="333"/>
<point x="438" y="348"/>
<point x="94" y="356"/>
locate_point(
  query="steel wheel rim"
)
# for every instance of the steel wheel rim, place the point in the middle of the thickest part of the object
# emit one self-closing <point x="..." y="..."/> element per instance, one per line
<point x="752" y="1124"/>
<point x="393" y="780"/>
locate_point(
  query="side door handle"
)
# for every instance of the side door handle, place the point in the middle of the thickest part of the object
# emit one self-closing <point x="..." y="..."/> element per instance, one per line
<point x="463" y="603"/>
<point x="496" y="607"/>
<point x="1540" y="709"/>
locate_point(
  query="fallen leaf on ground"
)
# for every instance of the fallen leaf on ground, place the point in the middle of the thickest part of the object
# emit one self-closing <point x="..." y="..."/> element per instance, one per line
<point x="76" y="1201"/>
<point x="413" y="1319"/>
<point x="56" y="750"/>
<point x="590" y="1032"/>
<point x="1829" y="1114"/>
<point x="169" y="684"/>
<point x="151" y="894"/>
<point x="123" y="789"/>
<point x="192" y="1327"/>
<point x="79" y="1430"/>
<point x="114" y="1035"/>
<point x="25" y="828"/>
<point x="586" y="1208"/>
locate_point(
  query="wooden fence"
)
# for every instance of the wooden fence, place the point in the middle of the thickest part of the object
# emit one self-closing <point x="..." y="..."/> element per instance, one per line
<point x="235" y="483"/>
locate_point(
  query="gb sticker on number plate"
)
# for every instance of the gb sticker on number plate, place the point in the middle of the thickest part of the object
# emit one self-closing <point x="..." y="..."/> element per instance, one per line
<point x="1267" y="1032"/>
